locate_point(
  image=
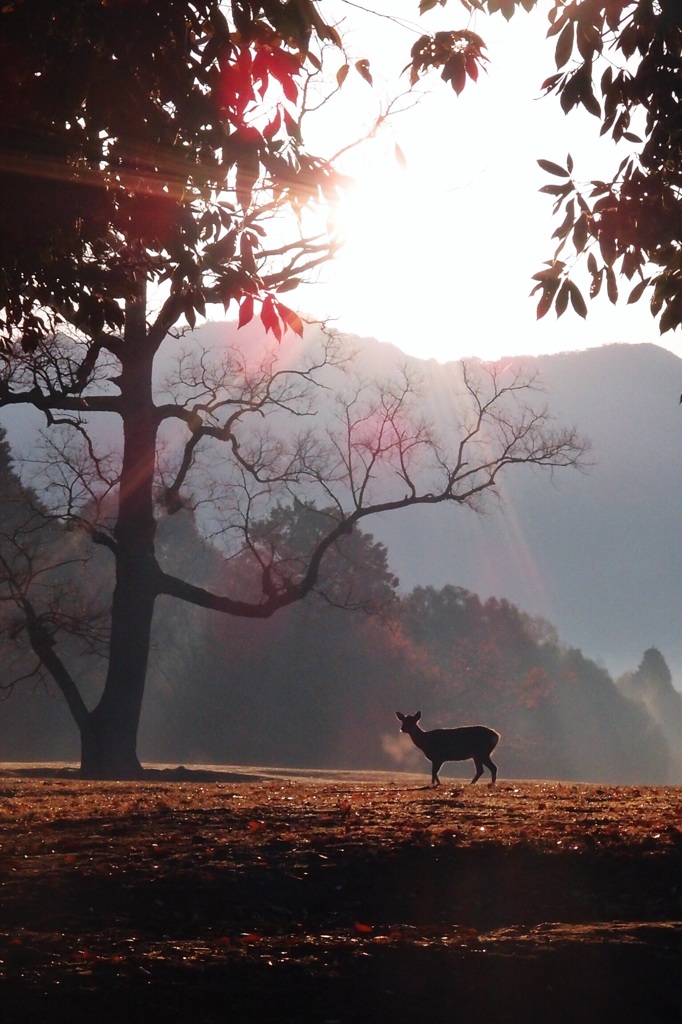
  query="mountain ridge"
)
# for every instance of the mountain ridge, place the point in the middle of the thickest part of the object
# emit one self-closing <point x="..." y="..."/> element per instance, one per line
<point x="596" y="553"/>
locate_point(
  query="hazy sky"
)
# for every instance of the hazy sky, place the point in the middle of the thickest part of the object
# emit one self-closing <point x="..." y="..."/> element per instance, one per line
<point x="440" y="253"/>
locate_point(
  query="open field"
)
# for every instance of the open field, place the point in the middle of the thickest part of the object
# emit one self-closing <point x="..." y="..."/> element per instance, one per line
<point x="257" y="895"/>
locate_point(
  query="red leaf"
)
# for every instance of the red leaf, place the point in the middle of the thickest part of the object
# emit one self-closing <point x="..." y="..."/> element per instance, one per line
<point x="274" y="126"/>
<point x="564" y="46"/>
<point x="454" y="72"/>
<point x="562" y="299"/>
<point x="472" y="68"/>
<point x="545" y="304"/>
<point x="290" y="89"/>
<point x="247" y="173"/>
<point x="362" y="67"/>
<point x="245" y="310"/>
<point x="577" y="301"/>
<point x="552" y="168"/>
<point x="290" y="318"/>
<point x="637" y="291"/>
<point x="269" y="317"/>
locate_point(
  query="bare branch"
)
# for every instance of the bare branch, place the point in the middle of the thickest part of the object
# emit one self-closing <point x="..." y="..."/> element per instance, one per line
<point x="380" y="454"/>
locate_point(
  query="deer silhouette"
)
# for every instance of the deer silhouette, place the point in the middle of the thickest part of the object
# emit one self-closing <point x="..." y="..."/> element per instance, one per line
<point x="441" y="745"/>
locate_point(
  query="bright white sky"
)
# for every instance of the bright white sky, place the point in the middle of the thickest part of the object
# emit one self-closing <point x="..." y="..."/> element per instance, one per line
<point x="440" y="254"/>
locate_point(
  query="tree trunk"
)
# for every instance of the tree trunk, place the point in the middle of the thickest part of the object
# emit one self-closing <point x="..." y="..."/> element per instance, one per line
<point x="109" y="739"/>
<point x="109" y="748"/>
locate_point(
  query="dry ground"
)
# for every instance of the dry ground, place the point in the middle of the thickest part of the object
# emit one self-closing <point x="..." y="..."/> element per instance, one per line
<point x="273" y="897"/>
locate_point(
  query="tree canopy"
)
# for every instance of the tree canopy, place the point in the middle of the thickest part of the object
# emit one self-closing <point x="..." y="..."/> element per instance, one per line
<point x="141" y="138"/>
<point x="113" y="162"/>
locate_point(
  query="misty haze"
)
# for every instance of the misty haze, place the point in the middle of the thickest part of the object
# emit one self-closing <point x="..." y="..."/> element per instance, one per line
<point x="552" y="618"/>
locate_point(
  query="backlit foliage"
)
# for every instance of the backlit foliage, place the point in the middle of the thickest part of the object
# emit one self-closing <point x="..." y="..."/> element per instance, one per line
<point x="154" y="138"/>
<point x="620" y="61"/>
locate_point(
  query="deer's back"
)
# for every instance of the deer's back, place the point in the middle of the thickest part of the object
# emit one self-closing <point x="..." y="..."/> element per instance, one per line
<point x="465" y="742"/>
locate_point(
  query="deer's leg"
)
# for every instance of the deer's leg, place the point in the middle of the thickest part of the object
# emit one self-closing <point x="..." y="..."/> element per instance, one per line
<point x="479" y="770"/>
<point x="435" y="768"/>
<point x="493" y="769"/>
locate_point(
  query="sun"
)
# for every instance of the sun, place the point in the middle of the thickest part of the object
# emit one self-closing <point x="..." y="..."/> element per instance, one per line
<point x="441" y="247"/>
<point x="401" y="275"/>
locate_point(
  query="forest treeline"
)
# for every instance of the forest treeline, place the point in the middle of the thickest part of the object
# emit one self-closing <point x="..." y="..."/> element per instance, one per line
<point x="318" y="683"/>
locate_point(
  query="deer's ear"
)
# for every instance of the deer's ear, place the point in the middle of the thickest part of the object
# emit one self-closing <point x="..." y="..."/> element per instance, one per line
<point x="417" y="716"/>
<point x="399" y="716"/>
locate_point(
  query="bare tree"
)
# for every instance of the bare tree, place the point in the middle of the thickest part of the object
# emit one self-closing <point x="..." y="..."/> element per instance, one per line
<point x="231" y="437"/>
<point x="42" y="603"/>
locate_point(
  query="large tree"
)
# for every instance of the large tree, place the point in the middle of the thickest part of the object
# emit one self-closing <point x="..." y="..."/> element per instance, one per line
<point x="152" y="164"/>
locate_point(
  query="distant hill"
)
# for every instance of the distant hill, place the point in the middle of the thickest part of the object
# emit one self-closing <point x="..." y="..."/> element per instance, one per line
<point x="599" y="554"/>
<point x="651" y="687"/>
